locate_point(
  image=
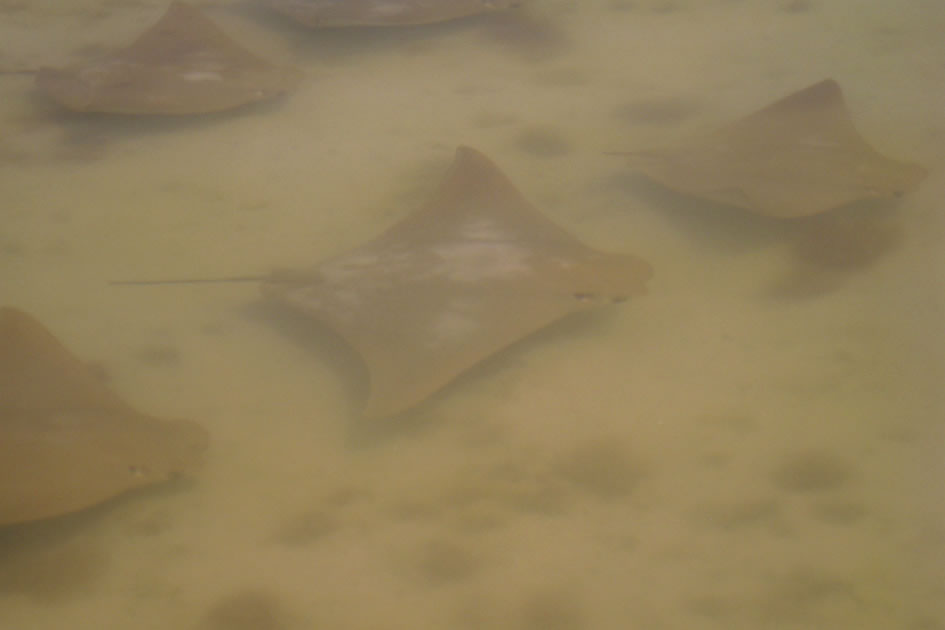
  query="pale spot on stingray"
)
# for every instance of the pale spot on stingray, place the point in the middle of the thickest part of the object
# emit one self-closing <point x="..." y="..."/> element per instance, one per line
<point x="482" y="229"/>
<point x="387" y="9"/>
<point x="479" y="260"/>
<point x="344" y="269"/>
<point x="201" y="75"/>
<point x="100" y="69"/>
<point x="453" y="323"/>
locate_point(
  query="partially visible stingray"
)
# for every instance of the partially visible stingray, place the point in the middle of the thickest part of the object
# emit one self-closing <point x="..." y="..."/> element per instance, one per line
<point x="475" y="270"/>
<point x="184" y="64"/>
<point x="66" y="441"/>
<point x="797" y="157"/>
<point x="337" y="13"/>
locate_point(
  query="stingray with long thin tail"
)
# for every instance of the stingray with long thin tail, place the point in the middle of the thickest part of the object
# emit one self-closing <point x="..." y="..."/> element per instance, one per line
<point x="475" y="270"/>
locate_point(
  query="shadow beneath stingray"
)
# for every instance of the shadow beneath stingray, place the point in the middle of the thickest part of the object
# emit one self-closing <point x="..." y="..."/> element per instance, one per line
<point x="823" y="249"/>
<point x="344" y="43"/>
<point x="708" y="224"/>
<point x="89" y="136"/>
<point x="326" y="346"/>
<point x="844" y="236"/>
<point x="124" y="125"/>
<point x="518" y="30"/>
<point x="318" y="340"/>
<point x="58" y="558"/>
<point x="361" y="433"/>
<point x="444" y="406"/>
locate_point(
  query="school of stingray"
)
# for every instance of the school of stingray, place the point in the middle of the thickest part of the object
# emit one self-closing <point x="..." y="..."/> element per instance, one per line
<point x="470" y="273"/>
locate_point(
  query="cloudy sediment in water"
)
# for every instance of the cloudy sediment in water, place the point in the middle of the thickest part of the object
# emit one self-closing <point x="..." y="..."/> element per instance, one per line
<point x="754" y="443"/>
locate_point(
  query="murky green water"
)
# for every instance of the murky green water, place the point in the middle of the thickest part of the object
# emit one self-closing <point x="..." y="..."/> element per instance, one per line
<point x="757" y="443"/>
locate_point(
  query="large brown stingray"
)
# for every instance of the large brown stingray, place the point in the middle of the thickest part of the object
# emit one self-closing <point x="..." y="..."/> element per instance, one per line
<point x="184" y="64"/>
<point x="336" y="13"/>
<point x="797" y="157"/>
<point x="66" y="441"/>
<point x="475" y="270"/>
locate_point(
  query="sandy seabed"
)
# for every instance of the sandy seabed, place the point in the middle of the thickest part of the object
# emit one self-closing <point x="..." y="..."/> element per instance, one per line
<point x="757" y="443"/>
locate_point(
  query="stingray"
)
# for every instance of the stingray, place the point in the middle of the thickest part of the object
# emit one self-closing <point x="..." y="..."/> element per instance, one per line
<point x="66" y="441"/>
<point x="475" y="270"/>
<point x="184" y="64"/>
<point x="796" y="157"/>
<point x="337" y="13"/>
